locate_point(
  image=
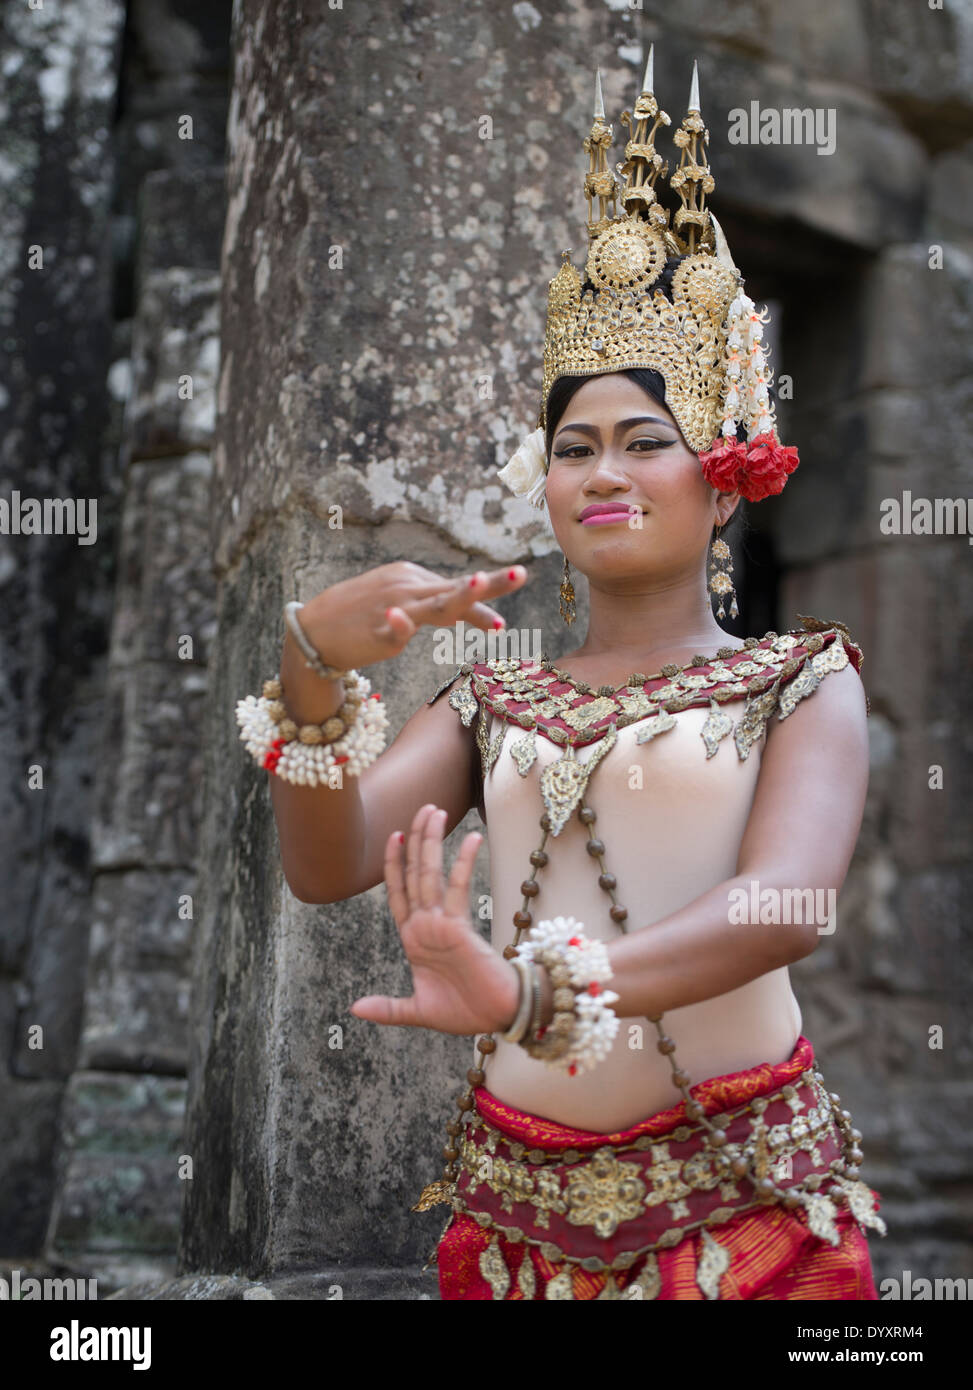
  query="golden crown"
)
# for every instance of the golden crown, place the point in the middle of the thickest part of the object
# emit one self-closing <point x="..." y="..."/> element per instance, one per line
<point x="705" y="339"/>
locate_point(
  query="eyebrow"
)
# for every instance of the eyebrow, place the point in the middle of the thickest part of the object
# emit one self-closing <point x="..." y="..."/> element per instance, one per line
<point x="620" y="426"/>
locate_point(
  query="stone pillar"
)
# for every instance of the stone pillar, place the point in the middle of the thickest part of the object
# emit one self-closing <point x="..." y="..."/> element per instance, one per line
<point x="366" y="366"/>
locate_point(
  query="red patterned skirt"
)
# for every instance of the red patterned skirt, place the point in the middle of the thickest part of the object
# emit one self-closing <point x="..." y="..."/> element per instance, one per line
<point x="544" y="1211"/>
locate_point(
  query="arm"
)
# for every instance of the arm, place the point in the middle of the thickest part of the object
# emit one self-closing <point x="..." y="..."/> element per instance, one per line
<point x="801" y="833"/>
<point x="332" y="840"/>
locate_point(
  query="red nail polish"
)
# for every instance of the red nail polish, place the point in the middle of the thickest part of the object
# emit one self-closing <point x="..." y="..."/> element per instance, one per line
<point x="511" y="574"/>
<point x="498" y="622"/>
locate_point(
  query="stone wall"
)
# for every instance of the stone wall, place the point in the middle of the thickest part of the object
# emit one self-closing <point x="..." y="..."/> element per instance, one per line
<point x="112" y="355"/>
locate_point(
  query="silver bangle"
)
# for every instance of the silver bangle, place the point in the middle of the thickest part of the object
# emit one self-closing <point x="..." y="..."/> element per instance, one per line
<point x="311" y="658"/>
<point x="535" y="1011"/>
<point x="518" y="1028"/>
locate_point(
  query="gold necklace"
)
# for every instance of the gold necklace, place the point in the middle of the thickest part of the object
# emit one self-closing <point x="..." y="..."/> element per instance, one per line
<point x="669" y="670"/>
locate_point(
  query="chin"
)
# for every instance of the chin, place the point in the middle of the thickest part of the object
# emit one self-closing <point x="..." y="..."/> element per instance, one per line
<point x="617" y="534"/>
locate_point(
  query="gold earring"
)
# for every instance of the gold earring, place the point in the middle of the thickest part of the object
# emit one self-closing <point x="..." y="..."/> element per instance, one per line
<point x="568" y="610"/>
<point x="720" y="581"/>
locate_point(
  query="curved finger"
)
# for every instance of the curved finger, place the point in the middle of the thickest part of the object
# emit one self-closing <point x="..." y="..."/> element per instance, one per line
<point x="381" y="1008"/>
<point x="456" y="902"/>
<point x="479" y="615"/>
<point x="431" y="860"/>
<point x="412" y="853"/>
<point x="398" y="626"/>
<point x="395" y="877"/>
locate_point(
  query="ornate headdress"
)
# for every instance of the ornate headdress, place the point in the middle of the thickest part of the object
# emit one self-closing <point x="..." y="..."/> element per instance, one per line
<point x="704" y="339"/>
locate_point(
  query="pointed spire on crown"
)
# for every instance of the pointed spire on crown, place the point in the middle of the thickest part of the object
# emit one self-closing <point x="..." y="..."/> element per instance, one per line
<point x="643" y="163"/>
<point x="599" y="181"/>
<point x="692" y="180"/>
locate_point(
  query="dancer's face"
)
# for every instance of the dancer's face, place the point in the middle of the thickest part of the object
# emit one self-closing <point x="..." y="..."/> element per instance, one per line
<point x="616" y="445"/>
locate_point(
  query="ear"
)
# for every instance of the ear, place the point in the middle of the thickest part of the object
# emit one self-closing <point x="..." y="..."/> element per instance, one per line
<point x="726" y="505"/>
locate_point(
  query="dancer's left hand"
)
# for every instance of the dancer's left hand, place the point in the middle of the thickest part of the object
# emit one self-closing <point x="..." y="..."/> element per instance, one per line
<point x="460" y="984"/>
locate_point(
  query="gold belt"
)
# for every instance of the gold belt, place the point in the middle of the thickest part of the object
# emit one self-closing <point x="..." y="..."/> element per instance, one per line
<point x="604" y="1208"/>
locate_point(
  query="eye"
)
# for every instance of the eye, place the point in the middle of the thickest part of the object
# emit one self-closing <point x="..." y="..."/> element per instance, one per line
<point x="574" y="451"/>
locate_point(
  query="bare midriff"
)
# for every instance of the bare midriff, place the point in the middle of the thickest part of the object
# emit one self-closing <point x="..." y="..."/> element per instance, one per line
<point x="672" y="822"/>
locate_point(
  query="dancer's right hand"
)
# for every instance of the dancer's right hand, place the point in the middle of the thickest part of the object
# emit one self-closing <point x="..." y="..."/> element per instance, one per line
<point x="372" y="616"/>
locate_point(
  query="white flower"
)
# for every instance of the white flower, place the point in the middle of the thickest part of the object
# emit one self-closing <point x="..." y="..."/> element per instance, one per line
<point x="524" y="473"/>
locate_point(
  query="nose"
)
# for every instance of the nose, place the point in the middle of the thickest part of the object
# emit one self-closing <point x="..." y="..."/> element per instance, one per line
<point x="608" y="473"/>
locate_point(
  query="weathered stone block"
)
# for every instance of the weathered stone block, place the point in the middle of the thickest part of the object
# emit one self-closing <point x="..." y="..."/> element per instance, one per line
<point x="29" y="1120"/>
<point x="149" y="796"/>
<point x="916" y="319"/>
<point x="180" y="221"/>
<point x="120" y="1188"/>
<point x="175" y="353"/>
<point x="137" y="992"/>
<point x="919" y="63"/>
<point x="166" y="590"/>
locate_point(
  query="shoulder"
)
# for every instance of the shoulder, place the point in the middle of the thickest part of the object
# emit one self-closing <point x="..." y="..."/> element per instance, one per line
<point x="825" y="662"/>
<point x="822" y="654"/>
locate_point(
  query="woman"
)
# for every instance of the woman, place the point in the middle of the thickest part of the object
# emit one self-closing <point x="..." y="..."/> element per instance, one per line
<point x="571" y="1169"/>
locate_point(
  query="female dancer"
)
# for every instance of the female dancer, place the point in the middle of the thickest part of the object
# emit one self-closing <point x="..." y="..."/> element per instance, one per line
<point x="690" y="831"/>
<point x="712" y="793"/>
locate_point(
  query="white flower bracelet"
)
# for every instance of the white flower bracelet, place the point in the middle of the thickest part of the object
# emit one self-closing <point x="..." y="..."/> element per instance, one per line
<point x="584" y="1025"/>
<point x="305" y="755"/>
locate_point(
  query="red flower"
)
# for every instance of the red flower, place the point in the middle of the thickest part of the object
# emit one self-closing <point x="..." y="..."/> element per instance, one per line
<point x="755" y="470"/>
<point x="724" y="465"/>
<point x="273" y="756"/>
<point x="769" y="464"/>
